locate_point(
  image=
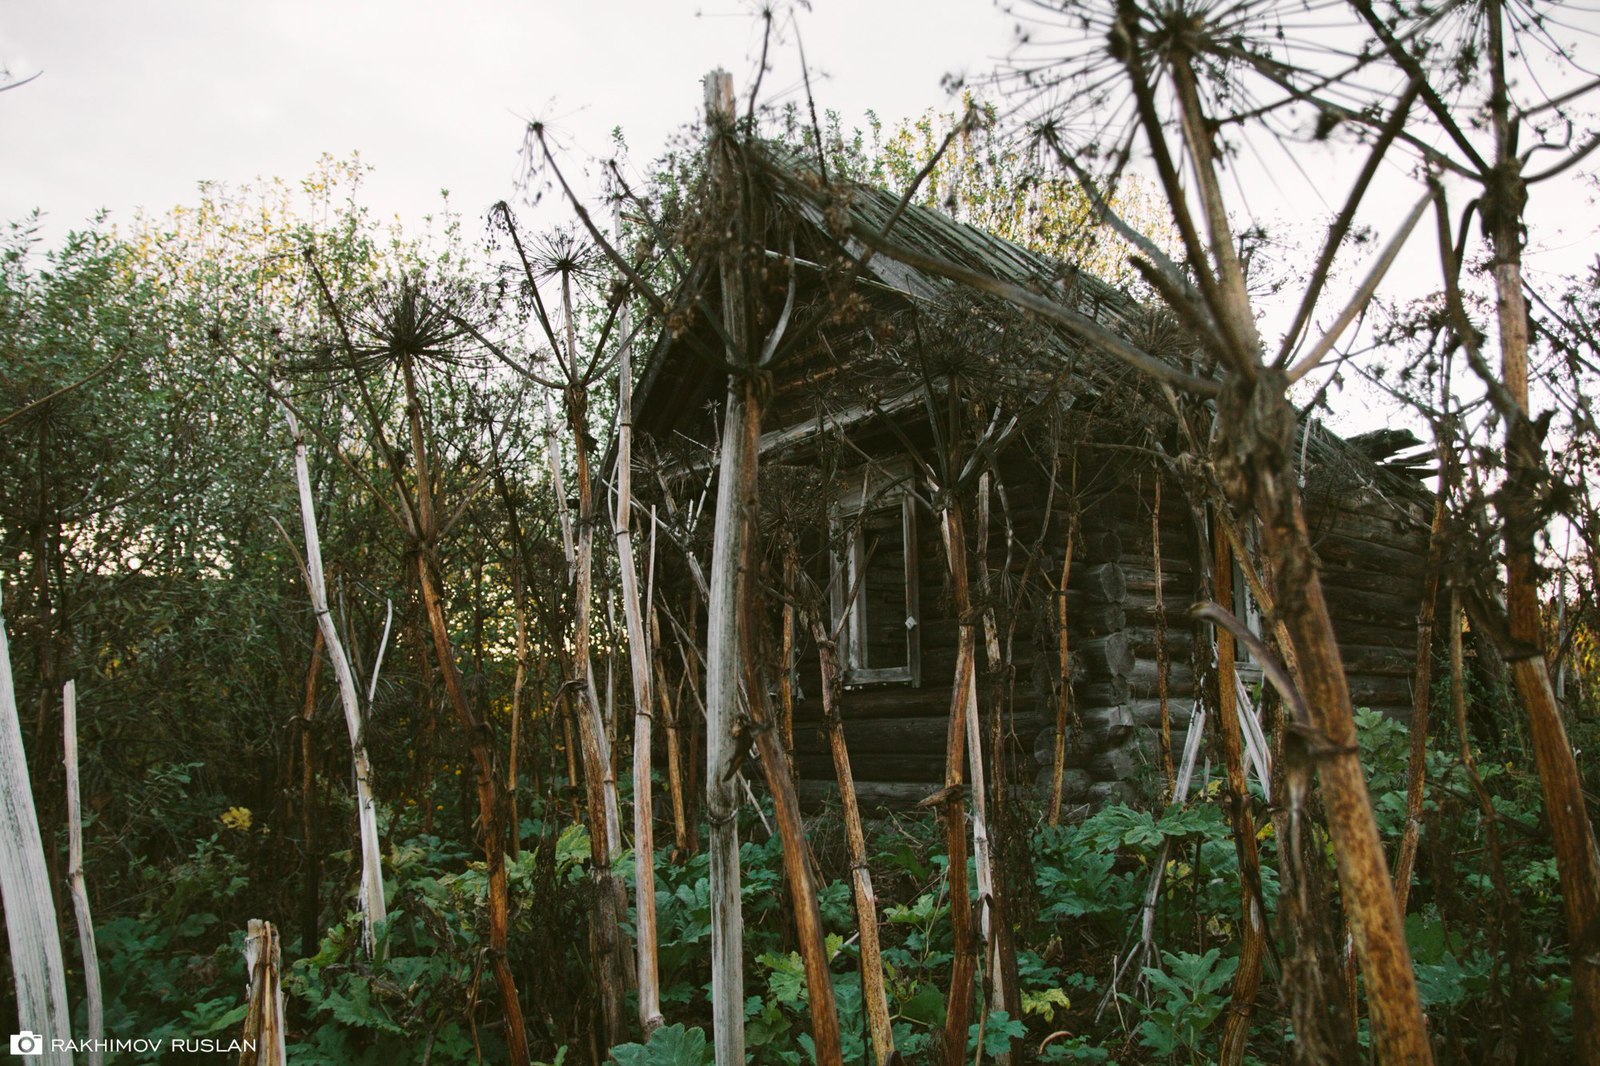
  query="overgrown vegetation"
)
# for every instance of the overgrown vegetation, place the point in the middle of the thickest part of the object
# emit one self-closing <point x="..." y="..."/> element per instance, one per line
<point x="513" y="622"/>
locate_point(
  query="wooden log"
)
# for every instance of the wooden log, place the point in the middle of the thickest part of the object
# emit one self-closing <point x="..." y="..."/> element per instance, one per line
<point x="1395" y="635"/>
<point x="1378" y="555"/>
<point x="1367" y="691"/>
<point x="1378" y="660"/>
<point x="882" y="701"/>
<point x="1089" y="620"/>
<point x="1142" y="679"/>
<point x="920" y="767"/>
<point x="872" y="795"/>
<point x="1104" y="583"/>
<point x="1394" y="608"/>
<point x="1378" y="524"/>
<point x="1105" y="793"/>
<point x="1143" y="643"/>
<point x="940" y="663"/>
<point x="1361" y="578"/>
<point x="1114" y="690"/>
<point x="1091" y="547"/>
<point x="902" y="737"/>
<point x="1140" y="612"/>
<point x="1121" y="763"/>
<point x="1111" y="655"/>
<point x="1147" y="713"/>
<point x="1102" y="728"/>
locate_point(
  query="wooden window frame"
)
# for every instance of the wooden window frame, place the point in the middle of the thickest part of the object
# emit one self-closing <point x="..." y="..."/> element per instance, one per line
<point x="878" y="493"/>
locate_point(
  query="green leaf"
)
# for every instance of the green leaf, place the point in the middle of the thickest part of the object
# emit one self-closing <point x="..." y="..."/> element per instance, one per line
<point x="671" y="1045"/>
<point x="998" y="1030"/>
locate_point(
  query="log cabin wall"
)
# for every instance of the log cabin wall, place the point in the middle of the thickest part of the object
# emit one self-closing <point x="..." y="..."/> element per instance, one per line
<point x="896" y="732"/>
<point x="1369" y="525"/>
<point x="1373" y="547"/>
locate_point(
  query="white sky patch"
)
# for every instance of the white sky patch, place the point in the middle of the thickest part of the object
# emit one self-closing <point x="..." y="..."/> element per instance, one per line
<point x="136" y="103"/>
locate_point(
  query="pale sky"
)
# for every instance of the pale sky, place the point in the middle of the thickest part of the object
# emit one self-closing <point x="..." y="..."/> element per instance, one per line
<point x="136" y="102"/>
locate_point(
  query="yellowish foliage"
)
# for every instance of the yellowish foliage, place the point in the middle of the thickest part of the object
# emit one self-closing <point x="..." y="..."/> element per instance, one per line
<point x="1010" y="190"/>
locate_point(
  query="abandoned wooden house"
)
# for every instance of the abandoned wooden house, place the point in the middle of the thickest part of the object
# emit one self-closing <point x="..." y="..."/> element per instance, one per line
<point x="905" y="386"/>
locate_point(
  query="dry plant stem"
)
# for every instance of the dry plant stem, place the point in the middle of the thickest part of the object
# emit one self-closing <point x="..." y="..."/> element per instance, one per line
<point x="1163" y="660"/>
<point x="866" y="901"/>
<point x="1256" y="462"/>
<point x="964" y="964"/>
<point x="490" y="823"/>
<point x="1577" y="859"/>
<point x="310" y="904"/>
<point x="518" y="684"/>
<point x="786" y="806"/>
<point x="592" y="726"/>
<point x="1422" y="691"/>
<point x="650" y="1017"/>
<point x="1252" y="920"/>
<point x="264" y="1030"/>
<point x="990" y="930"/>
<point x="731" y="530"/>
<point x="791" y="573"/>
<point x="608" y="942"/>
<point x="479" y="735"/>
<point x="1458" y="707"/>
<point x="76" y="886"/>
<point x="1064" y="680"/>
<point x="669" y="716"/>
<point x="373" y="910"/>
<point x="1258" y="423"/>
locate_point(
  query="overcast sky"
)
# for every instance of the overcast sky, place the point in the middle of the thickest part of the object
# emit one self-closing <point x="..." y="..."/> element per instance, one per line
<point x="136" y="102"/>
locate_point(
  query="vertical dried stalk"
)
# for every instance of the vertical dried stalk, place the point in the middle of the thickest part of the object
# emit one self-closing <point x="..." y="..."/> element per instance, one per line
<point x="264" y="1031"/>
<point x="791" y="570"/>
<point x="741" y="420"/>
<point x="1064" y="676"/>
<point x="872" y="985"/>
<point x="1458" y="707"/>
<point x="480" y="738"/>
<point x="675" y="773"/>
<point x="797" y="868"/>
<point x="373" y="910"/>
<point x="310" y="904"/>
<point x="1577" y="857"/>
<point x="95" y="1004"/>
<point x="1163" y="660"/>
<point x="518" y="683"/>
<point x="599" y="768"/>
<point x="1252" y="920"/>
<point x="963" y="967"/>
<point x="992" y="932"/>
<point x="644" y="851"/>
<point x="1421" y="696"/>
<point x="490" y="819"/>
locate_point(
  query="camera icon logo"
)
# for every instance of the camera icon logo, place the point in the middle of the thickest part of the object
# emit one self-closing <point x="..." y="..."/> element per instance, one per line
<point x="27" y="1044"/>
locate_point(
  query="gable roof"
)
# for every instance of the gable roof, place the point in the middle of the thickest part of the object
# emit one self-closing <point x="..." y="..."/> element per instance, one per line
<point x="915" y="226"/>
<point x="674" y="378"/>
